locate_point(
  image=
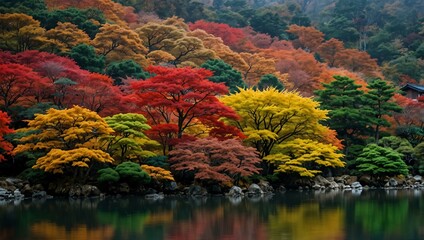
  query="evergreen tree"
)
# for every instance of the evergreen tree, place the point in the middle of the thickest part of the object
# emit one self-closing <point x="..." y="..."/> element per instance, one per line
<point x="377" y="99"/>
<point x="347" y="115"/>
<point x="270" y="80"/>
<point x="223" y="72"/>
<point x="86" y="57"/>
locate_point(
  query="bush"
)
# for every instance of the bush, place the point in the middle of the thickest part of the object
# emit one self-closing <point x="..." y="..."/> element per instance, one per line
<point x="132" y="173"/>
<point x="108" y="175"/>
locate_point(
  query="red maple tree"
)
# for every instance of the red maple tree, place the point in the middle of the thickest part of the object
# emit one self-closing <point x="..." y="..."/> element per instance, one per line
<point x="213" y="160"/>
<point x="5" y="146"/>
<point x="178" y="98"/>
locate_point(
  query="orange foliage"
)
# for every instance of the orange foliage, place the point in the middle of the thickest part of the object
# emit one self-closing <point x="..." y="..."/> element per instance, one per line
<point x="308" y="38"/>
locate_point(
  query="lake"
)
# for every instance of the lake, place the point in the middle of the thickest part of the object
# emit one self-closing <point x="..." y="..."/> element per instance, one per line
<point x="370" y="214"/>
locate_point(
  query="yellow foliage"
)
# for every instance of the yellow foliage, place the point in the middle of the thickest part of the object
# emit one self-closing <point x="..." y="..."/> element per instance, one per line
<point x="158" y="173"/>
<point x="271" y="117"/>
<point x="304" y="157"/>
<point x="57" y="160"/>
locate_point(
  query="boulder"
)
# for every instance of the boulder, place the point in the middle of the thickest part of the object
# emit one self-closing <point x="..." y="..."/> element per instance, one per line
<point x="333" y="185"/>
<point x="7" y="185"/>
<point x="124" y="188"/>
<point x="265" y="186"/>
<point x="17" y="194"/>
<point x="154" y="196"/>
<point x="27" y="190"/>
<point x="254" y="190"/>
<point x="170" y="186"/>
<point x="235" y="192"/>
<point x="75" y="191"/>
<point x="356" y="185"/>
<point x="196" y="190"/>
<point x="418" y="178"/>
<point x="39" y="194"/>
<point x="320" y="180"/>
<point x="90" y="191"/>
<point x="38" y="187"/>
<point x="5" y="194"/>
<point x="393" y="182"/>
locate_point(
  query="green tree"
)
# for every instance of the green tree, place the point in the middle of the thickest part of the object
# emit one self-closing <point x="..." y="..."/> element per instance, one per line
<point x="132" y="173"/>
<point x="86" y="57"/>
<point x="125" y="69"/>
<point x="270" y="80"/>
<point x="269" y="23"/>
<point x="223" y="72"/>
<point x="419" y="156"/>
<point x="380" y="162"/>
<point x="378" y="99"/>
<point x="129" y="140"/>
<point x="347" y="116"/>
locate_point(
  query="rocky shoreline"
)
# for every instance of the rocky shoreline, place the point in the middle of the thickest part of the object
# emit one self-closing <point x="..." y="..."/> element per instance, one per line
<point x="14" y="189"/>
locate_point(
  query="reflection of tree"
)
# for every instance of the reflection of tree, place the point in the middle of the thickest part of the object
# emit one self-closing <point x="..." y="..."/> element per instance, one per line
<point x="307" y="221"/>
<point x="219" y="220"/>
<point x="52" y="231"/>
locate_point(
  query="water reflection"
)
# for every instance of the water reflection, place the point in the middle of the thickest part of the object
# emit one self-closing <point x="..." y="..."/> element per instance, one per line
<point x="292" y="215"/>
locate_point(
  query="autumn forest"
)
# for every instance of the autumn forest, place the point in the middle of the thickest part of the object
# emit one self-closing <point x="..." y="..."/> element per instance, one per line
<point x="228" y="92"/>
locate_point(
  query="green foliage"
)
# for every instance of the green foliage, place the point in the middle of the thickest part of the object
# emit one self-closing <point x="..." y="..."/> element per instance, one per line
<point x="132" y="173"/>
<point x="223" y="72"/>
<point x="378" y="101"/>
<point x="86" y="57"/>
<point x="84" y="18"/>
<point x="129" y="140"/>
<point x="380" y="161"/>
<point x="413" y="134"/>
<point x="270" y="80"/>
<point x="33" y="175"/>
<point x="269" y="23"/>
<point x="419" y="156"/>
<point x="158" y="161"/>
<point x="29" y="7"/>
<point x="347" y="115"/>
<point x="107" y="175"/>
<point x="125" y="69"/>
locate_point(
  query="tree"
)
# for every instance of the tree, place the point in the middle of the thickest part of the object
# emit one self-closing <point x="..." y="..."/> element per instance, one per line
<point x="132" y="173"/>
<point x="156" y="36"/>
<point x="269" y="23"/>
<point x="357" y="61"/>
<point x="304" y="157"/>
<point x="222" y="72"/>
<point x="270" y="80"/>
<point x="213" y="160"/>
<point x="121" y="70"/>
<point x="347" y="115"/>
<point x="189" y="51"/>
<point x="16" y="82"/>
<point x="378" y="99"/>
<point x="129" y="140"/>
<point x="69" y="139"/>
<point x="401" y="146"/>
<point x="379" y="162"/>
<point x="66" y="36"/>
<point x="5" y="146"/>
<point x="115" y="38"/>
<point x="85" y="56"/>
<point x="20" y="32"/>
<point x="271" y="117"/>
<point x="419" y="155"/>
<point x="329" y="50"/>
<point x="308" y="38"/>
<point x="174" y="98"/>
<point x="157" y="173"/>
<point x="256" y="66"/>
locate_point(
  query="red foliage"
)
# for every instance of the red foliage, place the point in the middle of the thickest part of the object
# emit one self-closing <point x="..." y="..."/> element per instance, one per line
<point x="179" y="96"/>
<point x="97" y="93"/>
<point x="214" y="160"/>
<point x="16" y="82"/>
<point x="232" y="37"/>
<point x="5" y="146"/>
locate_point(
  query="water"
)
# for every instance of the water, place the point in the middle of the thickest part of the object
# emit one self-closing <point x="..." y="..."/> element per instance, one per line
<point x="292" y="215"/>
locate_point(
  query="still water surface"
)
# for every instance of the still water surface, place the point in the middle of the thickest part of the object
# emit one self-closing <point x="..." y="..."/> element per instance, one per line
<point x="291" y="215"/>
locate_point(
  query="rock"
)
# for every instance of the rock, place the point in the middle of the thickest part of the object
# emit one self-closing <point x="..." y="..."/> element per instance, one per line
<point x="39" y="194"/>
<point x="27" y="190"/>
<point x="170" y="186"/>
<point x="281" y="188"/>
<point x="196" y="190"/>
<point x="235" y="192"/>
<point x="254" y="190"/>
<point x="8" y="185"/>
<point x="316" y="187"/>
<point x="154" y="196"/>
<point x="4" y="193"/>
<point x="366" y="180"/>
<point x="333" y="185"/>
<point x="124" y="188"/>
<point x="214" y="189"/>
<point x="418" y="178"/>
<point x="75" y="191"/>
<point x="356" y="185"/>
<point x="38" y="187"/>
<point x="90" y="191"/>
<point x="393" y="182"/>
<point x="265" y="186"/>
<point x="17" y="194"/>
<point x="320" y="180"/>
